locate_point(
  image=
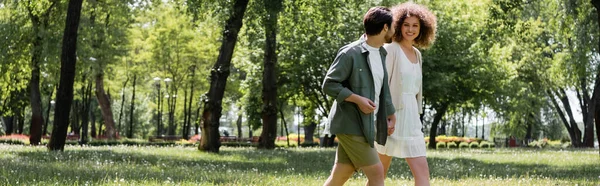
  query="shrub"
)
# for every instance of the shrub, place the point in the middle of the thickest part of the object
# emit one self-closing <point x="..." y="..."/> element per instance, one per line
<point x="538" y="143"/>
<point x="238" y="144"/>
<point x="294" y="137"/>
<point x="441" y="138"/>
<point x="440" y="145"/>
<point x="14" y="141"/>
<point x="485" y="144"/>
<point x="474" y="145"/>
<point x="555" y="144"/>
<point x="451" y="145"/>
<point x="463" y="145"/>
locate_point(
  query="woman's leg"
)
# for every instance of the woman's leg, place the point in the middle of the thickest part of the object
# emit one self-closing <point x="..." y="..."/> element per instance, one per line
<point x="386" y="161"/>
<point x="420" y="170"/>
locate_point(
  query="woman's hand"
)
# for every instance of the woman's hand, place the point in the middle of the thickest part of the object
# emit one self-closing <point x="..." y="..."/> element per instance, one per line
<point x="391" y="124"/>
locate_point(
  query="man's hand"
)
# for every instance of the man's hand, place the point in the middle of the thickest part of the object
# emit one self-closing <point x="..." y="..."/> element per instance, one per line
<point x="364" y="104"/>
<point x="391" y="123"/>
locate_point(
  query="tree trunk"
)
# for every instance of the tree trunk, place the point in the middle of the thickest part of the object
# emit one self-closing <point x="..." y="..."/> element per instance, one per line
<point x="45" y="128"/>
<point x="190" y="105"/>
<point x="20" y="120"/>
<point x="436" y="119"/>
<point x="85" y="112"/>
<point x="463" y="131"/>
<point x="197" y="121"/>
<point x="283" y="125"/>
<point x="561" y="114"/>
<point x="39" y="24"/>
<point x="173" y="103"/>
<point x="528" y="134"/>
<point x="564" y="99"/>
<point x="309" y="131"/>
<point x="67" y="77"/>
<point x="596" y="4"/>
<point x="122" y="104"/>
<point x="588" y="106"/>
<point x="185" y="114"/>
<point x="75" y="117"/>
<point x="105" y="108"/>
<point x="218" y="79"/>
<point x="8" y="122"/>
<point x="269" y="82"/>
<point x="159" y="127"/>
<point x="443" y="127"/>
<point x="239" y="124"/>
<point x="132" y="109"/>
<point x="93" y="122"/>
<point x="35" y="131"/>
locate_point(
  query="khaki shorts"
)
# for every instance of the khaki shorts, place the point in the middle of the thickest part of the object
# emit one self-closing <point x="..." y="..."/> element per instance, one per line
<point x="355" y="150"/>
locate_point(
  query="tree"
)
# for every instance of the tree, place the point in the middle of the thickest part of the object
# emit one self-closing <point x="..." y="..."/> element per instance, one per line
<point x="269" y="93"/>
<point x="40" y="21"/>
<point x="596" y="4"/>
<point x="218" y="77"/>
<point x="67" y="78"/>
<point x="15" y="58"/>
<point x="455" y="64"/>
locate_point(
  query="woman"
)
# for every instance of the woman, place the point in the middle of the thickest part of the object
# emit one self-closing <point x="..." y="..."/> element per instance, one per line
<point x="415" y="27"/>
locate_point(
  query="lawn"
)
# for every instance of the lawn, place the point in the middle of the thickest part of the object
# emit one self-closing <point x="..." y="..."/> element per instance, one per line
<point x="127" y="165"/>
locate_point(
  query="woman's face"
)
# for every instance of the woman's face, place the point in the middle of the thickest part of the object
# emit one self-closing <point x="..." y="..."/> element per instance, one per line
<point x="410" y="28"/>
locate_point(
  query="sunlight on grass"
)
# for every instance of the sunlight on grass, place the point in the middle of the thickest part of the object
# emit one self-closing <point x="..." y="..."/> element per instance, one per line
<point x="130" y="165"/>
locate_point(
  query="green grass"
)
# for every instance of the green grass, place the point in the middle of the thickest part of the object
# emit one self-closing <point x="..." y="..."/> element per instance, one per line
<point x="177" y="165"/>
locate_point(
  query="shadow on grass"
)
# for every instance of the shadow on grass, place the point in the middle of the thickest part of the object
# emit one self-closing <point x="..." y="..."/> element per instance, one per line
<point x="233" y="166"/>
<point x="104" y="165"/>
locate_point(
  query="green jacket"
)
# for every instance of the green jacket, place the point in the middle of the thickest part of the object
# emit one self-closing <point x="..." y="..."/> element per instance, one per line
<point x="351" y="73"/>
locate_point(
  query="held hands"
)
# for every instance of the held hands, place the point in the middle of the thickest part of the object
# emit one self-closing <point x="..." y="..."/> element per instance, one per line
<point x="391" y="123"/>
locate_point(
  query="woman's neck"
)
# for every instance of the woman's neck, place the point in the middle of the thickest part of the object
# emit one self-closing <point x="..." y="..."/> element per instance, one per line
<point x="406" y="43"/>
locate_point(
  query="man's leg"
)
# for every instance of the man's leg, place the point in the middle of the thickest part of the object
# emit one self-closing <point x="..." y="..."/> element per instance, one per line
<point x="339" y="174"/>
<point x="374" y="174"/>
<point x="342" y="168"/>
<point x="420" y="170"/>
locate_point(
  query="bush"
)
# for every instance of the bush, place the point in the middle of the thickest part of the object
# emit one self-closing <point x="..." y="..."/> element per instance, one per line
<point x="538" y="143"/>
<point x="14" y="141"/>
<point x="555" y="144"/>
<point x="485" y="144"/>
<point x="474" y="145"/>
<point x="440" y="145"/>
<point x="463" y="145"/>
<point x="17" y="139"/>
<point x="451" y="145"/>
<point x="315" y="144"/>
<point x="238" y="144"/>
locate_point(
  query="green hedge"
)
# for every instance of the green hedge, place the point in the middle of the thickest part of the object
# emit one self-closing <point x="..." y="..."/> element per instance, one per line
<point x="485" y="144"/>
<point x="474" y="145"/>
<point x="463" y="145"/>
<point x="14" y="141"/>
<point x="451" y="145"/>
<point x="439" y="145"/>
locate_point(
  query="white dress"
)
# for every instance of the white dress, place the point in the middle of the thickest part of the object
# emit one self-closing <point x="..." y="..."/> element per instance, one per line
<point x="407" y="140"/>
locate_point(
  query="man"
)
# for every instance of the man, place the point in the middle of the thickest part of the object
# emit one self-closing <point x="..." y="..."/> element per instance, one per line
<point x="358" y="81"/>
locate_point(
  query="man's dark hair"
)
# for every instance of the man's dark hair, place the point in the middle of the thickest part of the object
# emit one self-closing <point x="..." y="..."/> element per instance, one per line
<point x="375" y="18"/>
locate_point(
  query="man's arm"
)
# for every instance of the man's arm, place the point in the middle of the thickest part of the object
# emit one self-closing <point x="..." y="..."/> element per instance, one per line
<point x="338" y="72"/>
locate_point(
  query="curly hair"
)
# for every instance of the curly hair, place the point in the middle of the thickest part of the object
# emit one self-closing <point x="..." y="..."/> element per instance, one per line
<point x="426" y="19"/>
